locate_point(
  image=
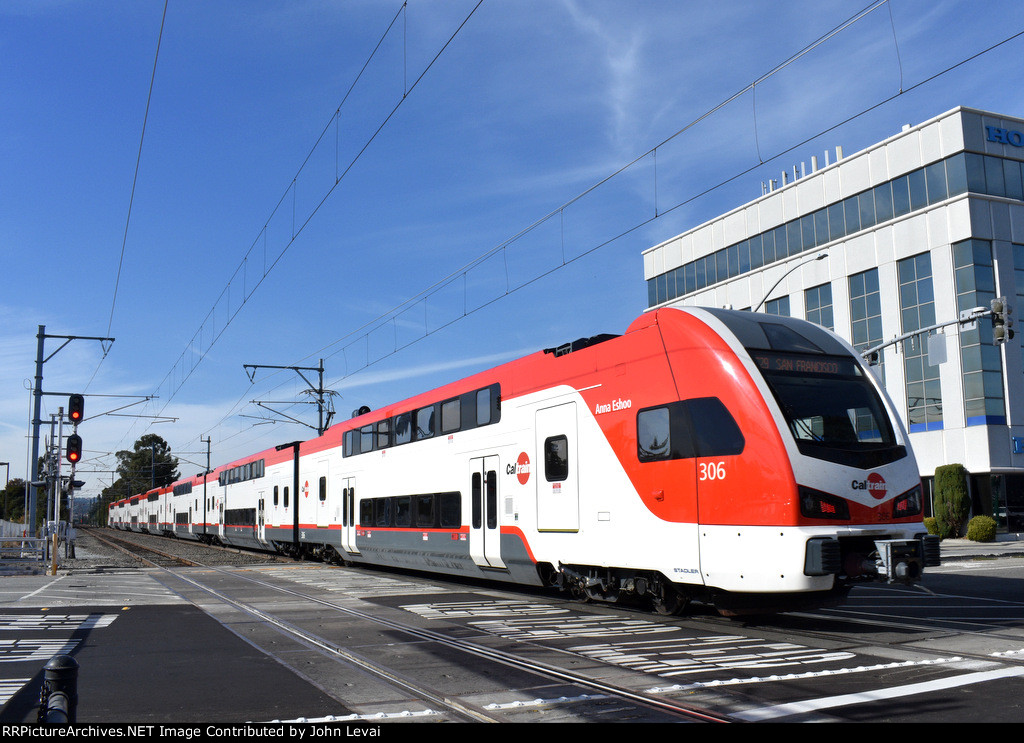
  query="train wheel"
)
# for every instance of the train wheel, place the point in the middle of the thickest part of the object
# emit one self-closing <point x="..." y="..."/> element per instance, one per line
<point x="671" y="602"/>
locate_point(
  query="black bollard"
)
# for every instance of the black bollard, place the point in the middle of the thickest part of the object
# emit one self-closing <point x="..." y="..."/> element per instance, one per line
<point x="59" y="698"/>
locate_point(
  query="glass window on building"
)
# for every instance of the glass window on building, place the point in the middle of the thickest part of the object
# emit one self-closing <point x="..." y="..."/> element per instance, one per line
<point x="866" y="311"/>
<point x="903" y="195"/>
<point x="917" y="310"/>
<point x="777" y="306"/>
<point x="818" y="305"/>
<point x="981" y="360"/>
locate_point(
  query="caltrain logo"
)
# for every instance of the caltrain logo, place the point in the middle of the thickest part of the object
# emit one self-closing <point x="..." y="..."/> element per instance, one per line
<point x="875" y="485"/>
<point x="305" y="489"/>
<point x="522" y="468"/>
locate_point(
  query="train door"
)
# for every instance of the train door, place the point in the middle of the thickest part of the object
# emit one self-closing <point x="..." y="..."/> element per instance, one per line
<point x="349" y="516"/>
<point x="484" y="522"/>
<point x="558" y="502"/>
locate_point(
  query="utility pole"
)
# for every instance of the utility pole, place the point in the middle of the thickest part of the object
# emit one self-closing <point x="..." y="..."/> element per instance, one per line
<point x="206" y="476"/>
<point x="37" y="408"/>
<point x="318" y="391"/>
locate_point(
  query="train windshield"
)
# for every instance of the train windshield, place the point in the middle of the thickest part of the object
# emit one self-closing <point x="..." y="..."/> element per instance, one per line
<point x="832" y="410"/>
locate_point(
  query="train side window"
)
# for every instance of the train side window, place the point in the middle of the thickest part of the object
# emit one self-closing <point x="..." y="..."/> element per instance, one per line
<point x="366" y="439"/>
<point x="275" y="495"/>
<point x="424" y="515"/>
<point x="366" y="513"/>
<point x="556" y="458"/>
<point x="382" y="511"/>
<point x="653" y="434"/>
<point x="347" y="449"/>
<point x="383" y="439"/>
<point x="323" y="489"/>
<point x="403" y="429"/>
<point x="403" y="511"/>
<point x="425" y="423"/>
<point x="451" y="416"/>
<point x="450" y="509"/>
<point x="664" y="432"/>
<point x="715" y="431"/>
<point x="483" y="406"/>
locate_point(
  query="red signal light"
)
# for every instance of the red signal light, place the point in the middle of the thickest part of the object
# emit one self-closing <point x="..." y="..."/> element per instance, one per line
<point x="76" y="408"/>
<point x="74" y="450"/>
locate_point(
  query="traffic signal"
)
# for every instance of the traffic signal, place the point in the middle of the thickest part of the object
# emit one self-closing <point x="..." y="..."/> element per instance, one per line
<point x="1002" y="324"/>
<point x="76" y="408"/>
<point x="74" y="450"/>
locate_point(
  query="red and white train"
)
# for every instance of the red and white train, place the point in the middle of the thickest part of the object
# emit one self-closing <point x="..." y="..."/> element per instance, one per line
<point x="741" y="459"/>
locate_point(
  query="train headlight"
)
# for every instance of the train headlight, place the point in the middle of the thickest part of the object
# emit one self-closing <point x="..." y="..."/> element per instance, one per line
<point x="907" y="504"/>
<point x="815" y="504"/>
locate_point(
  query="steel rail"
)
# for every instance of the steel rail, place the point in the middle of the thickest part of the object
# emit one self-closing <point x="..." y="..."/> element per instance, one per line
<point x="471" y="648"/>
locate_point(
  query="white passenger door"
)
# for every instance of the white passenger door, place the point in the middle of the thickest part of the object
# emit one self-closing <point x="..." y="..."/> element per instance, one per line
<point x="484" y="519"/>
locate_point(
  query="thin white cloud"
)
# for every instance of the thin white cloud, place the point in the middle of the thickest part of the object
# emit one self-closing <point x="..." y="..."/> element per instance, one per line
<point x="368" y="378"/>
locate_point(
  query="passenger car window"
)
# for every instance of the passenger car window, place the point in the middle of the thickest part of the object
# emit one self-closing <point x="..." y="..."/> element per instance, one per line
<point x="425" y="423"/>
<point x="403" y="428"/>
<point x="451" y="416"/>
<point x="556" y="458"/>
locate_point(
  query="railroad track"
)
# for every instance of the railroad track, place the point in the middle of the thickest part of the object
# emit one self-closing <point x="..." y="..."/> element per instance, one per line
<point x="463" y="653"/>
<point x="171" y="552"/>
<point x="143" y="553"/>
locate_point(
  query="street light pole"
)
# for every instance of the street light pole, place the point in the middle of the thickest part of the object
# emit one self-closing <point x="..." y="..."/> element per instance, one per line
<point x="818" y="257"/>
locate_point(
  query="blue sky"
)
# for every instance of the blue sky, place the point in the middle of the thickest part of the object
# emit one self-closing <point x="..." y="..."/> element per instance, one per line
<point x="239" y="213"/>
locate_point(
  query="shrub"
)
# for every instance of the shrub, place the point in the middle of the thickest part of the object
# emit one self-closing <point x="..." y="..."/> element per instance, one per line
<point x="982" y="529"/>
<point x="929" y="524"/>
<point x="952" y="503"/>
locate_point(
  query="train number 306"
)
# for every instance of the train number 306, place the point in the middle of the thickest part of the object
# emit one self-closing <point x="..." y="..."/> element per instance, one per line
<point x="711" y="470"/>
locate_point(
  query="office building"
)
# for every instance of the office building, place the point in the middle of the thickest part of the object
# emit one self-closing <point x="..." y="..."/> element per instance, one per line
<point x="878" y="245"/>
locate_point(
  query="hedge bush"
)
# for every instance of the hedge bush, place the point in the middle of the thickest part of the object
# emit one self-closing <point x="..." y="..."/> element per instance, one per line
<point x="982" y="529"/>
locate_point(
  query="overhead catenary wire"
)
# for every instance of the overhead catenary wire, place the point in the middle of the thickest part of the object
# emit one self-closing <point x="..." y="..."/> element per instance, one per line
<point x="215" y="331"/>
<point x="371" y="326"/>
<point x="361" y="334"/>
<point x="135" y="180"/>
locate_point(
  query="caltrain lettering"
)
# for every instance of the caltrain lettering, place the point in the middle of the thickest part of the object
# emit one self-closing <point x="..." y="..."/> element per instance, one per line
<point x="713" y="481"/>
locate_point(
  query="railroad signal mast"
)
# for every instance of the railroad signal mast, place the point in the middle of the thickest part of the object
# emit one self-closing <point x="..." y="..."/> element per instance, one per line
<point x="73" y="453"/>
<point x="76" y="413"/>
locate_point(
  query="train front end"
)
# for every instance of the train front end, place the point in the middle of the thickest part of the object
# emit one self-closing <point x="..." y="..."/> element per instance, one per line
<point x="831" y="495"/>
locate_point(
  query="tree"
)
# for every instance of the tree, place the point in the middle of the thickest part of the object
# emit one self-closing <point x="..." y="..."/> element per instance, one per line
<point x="149" y="464"/>
<point x="952" y="502"/>
<point x="14" y="500"/>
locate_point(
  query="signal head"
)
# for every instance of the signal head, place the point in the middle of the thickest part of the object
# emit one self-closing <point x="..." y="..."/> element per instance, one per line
<point x="76" y="408"/>
<point x="74" y="448"/>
